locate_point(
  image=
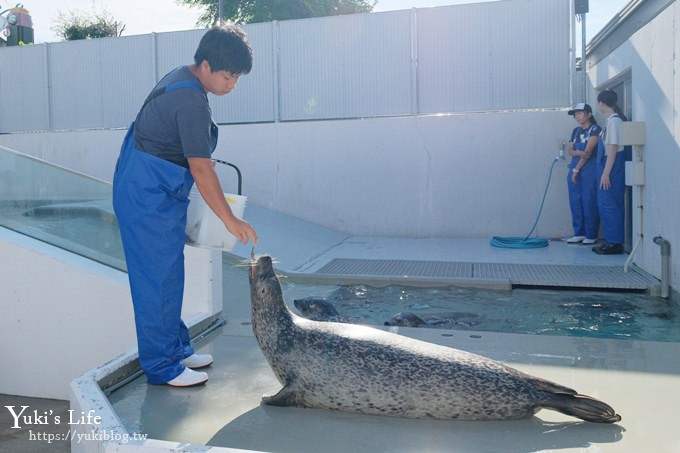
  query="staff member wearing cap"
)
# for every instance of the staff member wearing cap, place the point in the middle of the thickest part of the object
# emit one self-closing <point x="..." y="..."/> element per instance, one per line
<point x="583" y="176"/>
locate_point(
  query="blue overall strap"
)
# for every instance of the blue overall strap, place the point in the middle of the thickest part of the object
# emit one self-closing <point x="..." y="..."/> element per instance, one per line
<point x="185" y="84"/>
<point x="587" y="134"/>
<point x="173" y="86"/>
<point x="575" y="133"/>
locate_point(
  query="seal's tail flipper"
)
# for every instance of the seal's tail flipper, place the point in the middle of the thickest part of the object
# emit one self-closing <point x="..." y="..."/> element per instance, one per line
<point x="583" y="407"/>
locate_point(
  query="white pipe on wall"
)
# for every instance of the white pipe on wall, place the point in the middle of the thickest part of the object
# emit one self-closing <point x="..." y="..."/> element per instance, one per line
<point x="665" y="265"/>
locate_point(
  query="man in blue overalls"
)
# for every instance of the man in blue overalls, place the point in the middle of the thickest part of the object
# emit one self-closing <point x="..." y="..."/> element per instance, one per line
<point x="166" y="149"/>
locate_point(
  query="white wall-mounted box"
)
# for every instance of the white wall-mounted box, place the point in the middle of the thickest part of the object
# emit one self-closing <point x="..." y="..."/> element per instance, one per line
<point x="633" y="133"/>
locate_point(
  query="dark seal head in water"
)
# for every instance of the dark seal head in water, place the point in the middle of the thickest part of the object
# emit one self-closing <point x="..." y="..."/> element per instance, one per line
<point x="409" y="319"/>
<point x="316" y="308"/>
<point x="364" y="370"/>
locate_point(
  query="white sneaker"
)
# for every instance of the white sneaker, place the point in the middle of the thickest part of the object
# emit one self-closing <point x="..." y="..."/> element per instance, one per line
<point x="587" y="241"/>
<point x="197" y="361"/>
<point x="575" y="239"/>
<point x="189" y="378"/>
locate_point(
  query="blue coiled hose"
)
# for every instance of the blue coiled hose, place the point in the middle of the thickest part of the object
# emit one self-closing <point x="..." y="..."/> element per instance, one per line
<point x="527" y="242"/>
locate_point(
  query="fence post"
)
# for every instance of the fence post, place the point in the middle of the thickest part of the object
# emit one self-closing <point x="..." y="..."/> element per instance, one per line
<point x="276" y="68"/>
<point x="154" y="60"/>
<point x="48" y="88"/>
<point x="415" y="107"/>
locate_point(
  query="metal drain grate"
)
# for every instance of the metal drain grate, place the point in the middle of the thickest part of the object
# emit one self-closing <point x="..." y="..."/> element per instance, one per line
<point x="563" y="275"/>
<point x="397" y="268"/>
<point x="518" y="274"/>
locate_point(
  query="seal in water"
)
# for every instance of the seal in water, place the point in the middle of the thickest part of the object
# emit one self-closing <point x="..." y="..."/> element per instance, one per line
<point x="364" y="370"/>
<point x="410" y="319"/>
<point x="316" y="308"/>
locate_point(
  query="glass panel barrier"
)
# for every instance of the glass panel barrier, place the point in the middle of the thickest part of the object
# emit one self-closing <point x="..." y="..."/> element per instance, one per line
<point x="59" y="206"/>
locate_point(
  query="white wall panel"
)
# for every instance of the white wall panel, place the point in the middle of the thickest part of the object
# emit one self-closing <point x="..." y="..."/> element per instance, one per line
<point x="253" y="99"/>
<point x="124" y="62"/>
<point x="454" y="58"/>
<point x="95" y="83"/>
<point x="75" y="81"/>
<point x="511" y="63"/>
<point x="24" y="103"/>
<point x="345" y="66"/>
<point x="174" y="49"/>
<point x="547" y="57"/>
<point x="501" y="55"/>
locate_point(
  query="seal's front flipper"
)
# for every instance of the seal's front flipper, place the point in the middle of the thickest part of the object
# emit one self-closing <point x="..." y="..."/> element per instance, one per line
<point x="287" y="396"/>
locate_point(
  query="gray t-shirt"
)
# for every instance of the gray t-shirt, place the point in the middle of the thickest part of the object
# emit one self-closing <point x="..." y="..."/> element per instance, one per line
<point x="176" y="125"/>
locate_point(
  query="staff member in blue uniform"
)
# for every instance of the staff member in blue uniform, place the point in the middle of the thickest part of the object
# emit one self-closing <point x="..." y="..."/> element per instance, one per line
<point x="612" y="187"/>
<point x="167" y="148"/>
<point x="583" y="178"/>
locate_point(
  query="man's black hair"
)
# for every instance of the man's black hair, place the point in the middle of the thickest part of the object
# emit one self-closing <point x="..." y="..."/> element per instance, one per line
<point x="225" y="48"/>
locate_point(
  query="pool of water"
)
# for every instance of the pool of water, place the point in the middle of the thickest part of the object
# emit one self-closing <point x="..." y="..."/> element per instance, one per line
<point x="526" y="311"/>
<point x="85" y="227"/>
<point x="88" y="228"/>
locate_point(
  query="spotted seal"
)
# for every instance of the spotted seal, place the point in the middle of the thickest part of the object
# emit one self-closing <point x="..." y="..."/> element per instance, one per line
<point x="363" y="370"/>
<point x="445" y="319"/>
<point x="316" y="309"/>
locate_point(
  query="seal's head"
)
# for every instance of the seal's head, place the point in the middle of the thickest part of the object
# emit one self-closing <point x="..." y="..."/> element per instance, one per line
<point x="315" y="308"/>
<point x="265" y="289"/>
<point x="405" y="319"/>
<point x="261" y="268"/>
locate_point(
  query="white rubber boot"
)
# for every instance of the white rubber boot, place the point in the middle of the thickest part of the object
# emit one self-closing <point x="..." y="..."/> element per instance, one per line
<point x="195" y="361"/>
<point x="189" y="378"/>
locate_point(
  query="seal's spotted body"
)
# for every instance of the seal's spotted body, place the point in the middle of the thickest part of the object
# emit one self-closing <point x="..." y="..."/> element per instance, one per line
<point x="364" y="370"/>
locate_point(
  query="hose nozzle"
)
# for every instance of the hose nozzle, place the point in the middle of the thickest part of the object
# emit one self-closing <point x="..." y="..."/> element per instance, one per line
<point x="561" y="154"/>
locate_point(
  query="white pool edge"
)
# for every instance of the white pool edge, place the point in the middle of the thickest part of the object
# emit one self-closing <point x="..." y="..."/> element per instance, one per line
<point x="100" y="429"/>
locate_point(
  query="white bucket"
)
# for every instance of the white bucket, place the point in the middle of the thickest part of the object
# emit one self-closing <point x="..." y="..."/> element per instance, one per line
<point x="205" y="229"/>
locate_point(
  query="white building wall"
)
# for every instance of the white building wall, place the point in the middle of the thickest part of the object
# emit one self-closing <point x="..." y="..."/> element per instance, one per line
<point x="651" y="56"/>
<point x="467" y="175"/>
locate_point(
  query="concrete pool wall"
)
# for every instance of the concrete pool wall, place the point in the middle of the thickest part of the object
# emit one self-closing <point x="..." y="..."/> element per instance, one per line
<point x="462" y="175"/>
<point x="64" y="314"/>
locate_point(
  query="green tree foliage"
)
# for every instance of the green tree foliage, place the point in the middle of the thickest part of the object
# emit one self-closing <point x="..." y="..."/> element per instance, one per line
<point x="77" y="25"/>
<point x="251" y="11"/>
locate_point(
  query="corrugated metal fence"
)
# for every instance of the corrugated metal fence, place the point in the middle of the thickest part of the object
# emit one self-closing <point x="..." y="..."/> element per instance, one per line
<point x="506" y="55"/>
